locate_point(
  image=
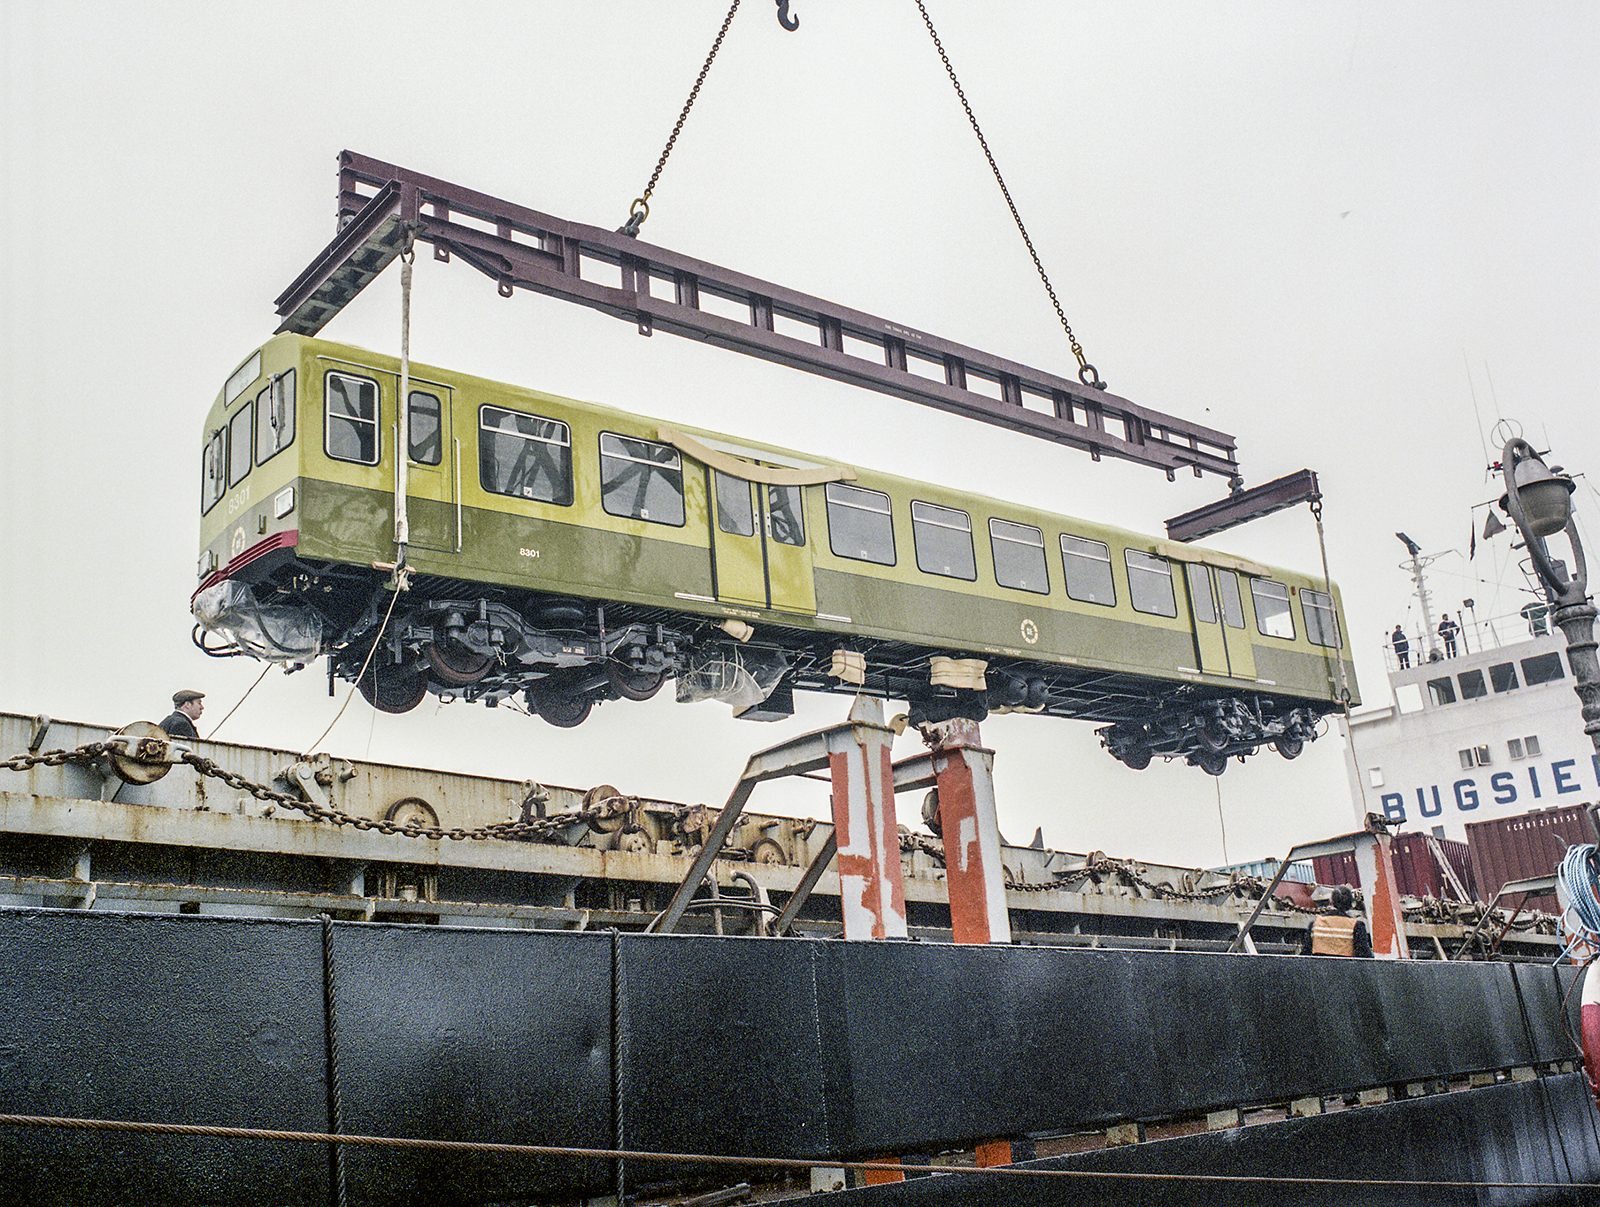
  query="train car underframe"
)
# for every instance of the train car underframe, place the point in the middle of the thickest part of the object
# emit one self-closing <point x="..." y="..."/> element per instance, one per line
<point x="563" y="655"/>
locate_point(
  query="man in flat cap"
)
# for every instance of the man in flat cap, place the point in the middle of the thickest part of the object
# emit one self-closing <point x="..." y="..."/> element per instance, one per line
<point x="187" y="707"/>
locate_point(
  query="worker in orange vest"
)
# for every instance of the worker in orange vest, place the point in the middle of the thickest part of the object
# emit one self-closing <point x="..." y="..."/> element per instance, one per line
<point x="1336" y="932"/>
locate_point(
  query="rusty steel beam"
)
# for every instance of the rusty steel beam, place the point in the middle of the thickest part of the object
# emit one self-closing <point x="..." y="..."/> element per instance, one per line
<point x="1243" y="505"/>
<point x="662" y="290"/>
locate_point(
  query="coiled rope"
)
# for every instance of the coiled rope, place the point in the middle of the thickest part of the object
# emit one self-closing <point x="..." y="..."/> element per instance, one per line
<point x="1578" y="882"/>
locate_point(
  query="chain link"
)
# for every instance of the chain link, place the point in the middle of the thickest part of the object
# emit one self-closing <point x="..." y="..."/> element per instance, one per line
<point x="640" y="210"/>
<point x="1087" y="373"/>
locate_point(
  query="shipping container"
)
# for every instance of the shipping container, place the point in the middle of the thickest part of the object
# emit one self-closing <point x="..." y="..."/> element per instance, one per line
<point x="1416" y="871"/>
<point x="1519" y="848"/>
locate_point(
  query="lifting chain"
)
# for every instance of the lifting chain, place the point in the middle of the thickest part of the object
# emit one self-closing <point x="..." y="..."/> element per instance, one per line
<point x="1087" y="373"/>
<point x="640" y="210"/>
<point x="541" y="828"/>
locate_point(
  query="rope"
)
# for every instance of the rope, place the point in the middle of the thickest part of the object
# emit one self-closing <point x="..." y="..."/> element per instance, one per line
<point x="365" y="662"/>
<point x="1578" y="880"/>
<point x="606" y="1154"/>
<point x="640" y="210"/>
<point x="212" y="735"/>
<point x="1087" y="373"/>
<point x="1338" y="659"/>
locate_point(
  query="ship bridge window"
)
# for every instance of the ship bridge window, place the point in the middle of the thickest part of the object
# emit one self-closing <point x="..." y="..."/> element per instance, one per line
<point x="425" y="429"/>
<point x="1232" y="602"/>
<point x="1442" y="691"/>
<point x="943" y="540"/>
<point x="1018" y="551"/>
<point x="1273" y="616"/>
<point x="1472" y="685"/>
<point x="213" y="483"/>
<point x="1531" y="745"/>
<point x="1087" y="567"/>
<point x="735" y="515"/>
<point x="352" y="419"/>
<point x="524" y="456"/>
<point x="1503" y="677"/>
<point x="275" y="417"/>
<point x="641" y="479"/>
<point x="240" y="451"/>
<point x="1514" y="748"/>
<point x="1322" y="625"/>
<point x="785" y="519"/>
<point x="1150" y="584"/>
<point x="859" y="524"/>
<point x="1542" y="668"/>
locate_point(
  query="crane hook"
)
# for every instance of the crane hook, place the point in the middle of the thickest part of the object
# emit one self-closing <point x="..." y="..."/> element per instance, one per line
<point x="784" y="19"/>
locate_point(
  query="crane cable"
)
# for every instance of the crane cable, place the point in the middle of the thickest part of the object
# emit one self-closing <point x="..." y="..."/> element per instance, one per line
<point x="1087" y="373"/>
<point x="640" y="210"/>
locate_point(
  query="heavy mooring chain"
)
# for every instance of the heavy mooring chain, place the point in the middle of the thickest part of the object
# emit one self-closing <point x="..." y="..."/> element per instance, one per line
<point x="1087" y="373"/>
<point x="640" y="210"/>
<point x="540" y="828"/>
<point x="55" y="758"/>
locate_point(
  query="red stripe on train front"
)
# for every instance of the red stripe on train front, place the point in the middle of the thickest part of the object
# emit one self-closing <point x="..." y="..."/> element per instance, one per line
<point x="278" y="540"/>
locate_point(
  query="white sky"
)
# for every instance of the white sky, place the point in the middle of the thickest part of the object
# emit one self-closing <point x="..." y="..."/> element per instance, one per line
<point x="1332" y="229"/>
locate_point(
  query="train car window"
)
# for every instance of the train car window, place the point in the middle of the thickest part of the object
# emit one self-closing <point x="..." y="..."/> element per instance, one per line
<point x="1503" y="677"/>
<point x="735" y="515"/>
<point x="524" y="456"/>
<point x="352" y="419"/>
<point x="1205" y="604"/>
<point x="1150" y="584"/>
<point x="1019" y="560"/>
<point x="1543" y="668"/>
<point x="943" y="540"/>
<point x="1472" y="685"/>
<point x="213" y="470"/>
<point x="424" y="429"/>
<point x="1273" y="617"/>
<point x="241" y="452"/>
<point x="859" y="524"/>
<point x="1086" y="565"/>
<point x="641" y="479"/>
<point x="275" y="417"/>
<point x="1322" y="623"/>
<point x="1232" y="603"/>
<point x="784" y="515"/>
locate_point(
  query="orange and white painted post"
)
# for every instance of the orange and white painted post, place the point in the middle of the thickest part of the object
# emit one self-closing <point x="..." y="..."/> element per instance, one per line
<point x="872" y="893"/>
<point x="974" y="875"/>
<point x="1375" y="868"/>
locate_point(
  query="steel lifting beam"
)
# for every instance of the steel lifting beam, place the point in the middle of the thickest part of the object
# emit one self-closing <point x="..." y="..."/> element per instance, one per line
<point x="662" y="290"/>
<point x="1243" y="505"/>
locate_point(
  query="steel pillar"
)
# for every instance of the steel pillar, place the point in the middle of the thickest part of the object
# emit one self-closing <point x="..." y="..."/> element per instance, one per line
<point x="964" y="772"/>
<point x="1375" y="865"/>
<point x="872" y="893"/>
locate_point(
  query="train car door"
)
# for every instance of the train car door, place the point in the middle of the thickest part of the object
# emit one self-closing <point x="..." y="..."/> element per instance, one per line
<point x="433" y="480"/>
<point x="1235" y="622"/>
<point x="758" y="551"/>
<point x="1211" y="649"/>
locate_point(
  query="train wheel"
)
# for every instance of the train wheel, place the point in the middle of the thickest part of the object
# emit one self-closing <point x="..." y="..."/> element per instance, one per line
<point x="632" y="684"/>
<point x="1211" y="762"/>
<point x="1212" y="736"/>
<point x="1137" y="757"/>
<point x="392" y="689"/>
<point x="1289" y="748"/>
<point x="562" y="709"/>
<point x="455" y="664"/>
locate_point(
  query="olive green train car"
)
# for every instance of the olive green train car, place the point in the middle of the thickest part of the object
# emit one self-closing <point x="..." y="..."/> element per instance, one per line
<point x="568" y="554"/>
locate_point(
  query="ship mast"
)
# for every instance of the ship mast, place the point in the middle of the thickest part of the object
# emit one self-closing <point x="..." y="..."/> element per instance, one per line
<point x="1416" y="565"/>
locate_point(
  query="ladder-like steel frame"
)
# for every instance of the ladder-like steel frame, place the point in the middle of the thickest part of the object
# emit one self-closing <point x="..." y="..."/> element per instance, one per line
<point x="380" y="203"/>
